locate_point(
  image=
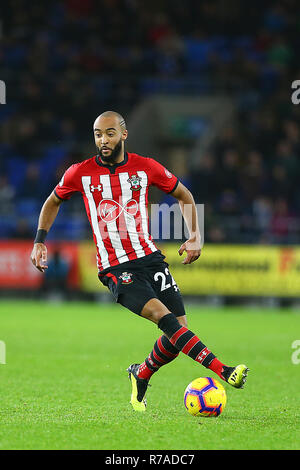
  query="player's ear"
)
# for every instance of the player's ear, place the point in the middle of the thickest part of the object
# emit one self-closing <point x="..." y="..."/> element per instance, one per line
<point x="124" y="134"/>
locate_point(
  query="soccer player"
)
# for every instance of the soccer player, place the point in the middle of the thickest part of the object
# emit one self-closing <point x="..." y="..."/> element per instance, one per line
<point x="114" y="185"/>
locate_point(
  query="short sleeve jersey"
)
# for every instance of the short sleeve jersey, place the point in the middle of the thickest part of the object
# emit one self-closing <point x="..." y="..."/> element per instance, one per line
<point x="116" y="202"/>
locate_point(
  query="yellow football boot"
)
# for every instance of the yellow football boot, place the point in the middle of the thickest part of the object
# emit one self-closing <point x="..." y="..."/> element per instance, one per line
<point x="138" y="389"/>
<point x="238" y="376"/>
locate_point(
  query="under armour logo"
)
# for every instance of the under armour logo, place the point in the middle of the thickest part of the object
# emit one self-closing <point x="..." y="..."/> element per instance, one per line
<point x="201" y="356"/>
<point x="98" y="187"/>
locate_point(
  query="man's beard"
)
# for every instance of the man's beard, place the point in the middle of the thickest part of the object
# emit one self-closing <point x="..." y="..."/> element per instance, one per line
<point x="115" y="153"/>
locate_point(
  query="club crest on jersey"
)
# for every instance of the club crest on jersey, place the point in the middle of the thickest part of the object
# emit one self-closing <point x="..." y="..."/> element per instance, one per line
<point x="126" y="278"/>
<point x="135" y="182"/>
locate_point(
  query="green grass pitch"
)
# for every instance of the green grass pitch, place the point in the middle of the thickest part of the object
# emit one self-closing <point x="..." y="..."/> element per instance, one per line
<point x="65" y="386"/>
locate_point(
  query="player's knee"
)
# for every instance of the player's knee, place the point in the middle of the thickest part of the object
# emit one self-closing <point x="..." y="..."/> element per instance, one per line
<point x="155" y="315"/>
<point x="154" y="311"/>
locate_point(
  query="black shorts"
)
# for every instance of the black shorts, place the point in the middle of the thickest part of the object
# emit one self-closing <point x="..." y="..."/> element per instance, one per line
<point x="134" y="283"/>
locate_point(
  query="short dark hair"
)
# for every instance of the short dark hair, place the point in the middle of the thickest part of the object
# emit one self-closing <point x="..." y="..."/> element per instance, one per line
<point x="118" y="115"/>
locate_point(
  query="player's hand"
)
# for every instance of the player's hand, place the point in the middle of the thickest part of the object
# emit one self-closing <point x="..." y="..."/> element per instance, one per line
<point x="39" y="256"/>
<point x="192" y="249"/>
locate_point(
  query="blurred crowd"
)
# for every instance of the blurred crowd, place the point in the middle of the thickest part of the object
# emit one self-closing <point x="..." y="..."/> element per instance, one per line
<point x="65" y="61"/>
<point x="249" y="179"/>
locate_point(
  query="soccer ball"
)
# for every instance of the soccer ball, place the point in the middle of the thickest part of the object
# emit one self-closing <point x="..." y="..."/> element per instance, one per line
<point x="205" y="397"/>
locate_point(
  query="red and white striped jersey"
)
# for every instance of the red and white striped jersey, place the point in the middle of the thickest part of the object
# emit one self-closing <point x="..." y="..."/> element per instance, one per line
<point x="116" y="202"/>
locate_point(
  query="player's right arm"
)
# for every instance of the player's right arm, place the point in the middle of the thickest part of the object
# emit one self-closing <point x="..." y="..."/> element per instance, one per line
<point x="47" y="216"/>
<point x="67" y="186"/>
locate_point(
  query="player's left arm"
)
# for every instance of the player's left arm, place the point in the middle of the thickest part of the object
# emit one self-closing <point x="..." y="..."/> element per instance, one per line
<point x="187" y="205"/>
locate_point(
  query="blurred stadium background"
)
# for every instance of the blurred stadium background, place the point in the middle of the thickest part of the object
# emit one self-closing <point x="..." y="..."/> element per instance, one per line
<point x="205" y="87"/>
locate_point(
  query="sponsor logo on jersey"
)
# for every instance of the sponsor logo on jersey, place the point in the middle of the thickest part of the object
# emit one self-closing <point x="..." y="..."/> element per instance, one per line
<point x="110" y="210"/>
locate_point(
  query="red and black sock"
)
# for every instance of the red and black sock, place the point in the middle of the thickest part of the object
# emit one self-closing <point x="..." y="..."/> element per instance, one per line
<point x="162" y="353"/>
<point x="186" y="341"/>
